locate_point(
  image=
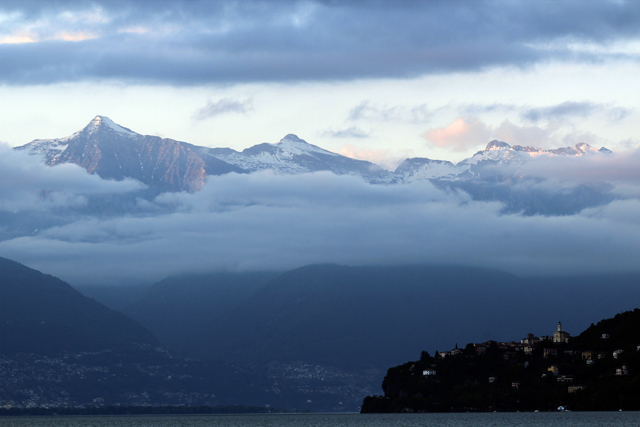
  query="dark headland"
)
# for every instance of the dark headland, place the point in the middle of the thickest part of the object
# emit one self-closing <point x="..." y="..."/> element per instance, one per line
<point x="598" y="370"/>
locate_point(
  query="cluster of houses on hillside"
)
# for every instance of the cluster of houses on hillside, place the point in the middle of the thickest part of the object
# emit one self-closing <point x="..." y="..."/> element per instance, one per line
<point x="525" y="345"/>
<point x="509" y="350"/>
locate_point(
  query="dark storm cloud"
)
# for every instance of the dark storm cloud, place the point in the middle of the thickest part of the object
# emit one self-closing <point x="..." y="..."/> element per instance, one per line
<point x="191" y="42"/>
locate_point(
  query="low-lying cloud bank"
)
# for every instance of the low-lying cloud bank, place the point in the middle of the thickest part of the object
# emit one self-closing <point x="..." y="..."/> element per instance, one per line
<point x="270" y="221"/>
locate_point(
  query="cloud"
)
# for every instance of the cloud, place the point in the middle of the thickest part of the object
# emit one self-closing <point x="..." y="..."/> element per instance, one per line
<point x="270" y="221"/>
<point x="557" y="112"/>
<point x="367" y="110"/>
<point x="524" y="135"/>
<point x="630" y="143"/>
<point x="351" y="132"/>
<point x="478" y="108"/>
<point x="617" y="168"/>
<point x="188" y="42"/>
<point x="577" y="137"/>
<point x="573" y="109"/>
<point x="581" y="109"/>
<point x="223" y="106"/>
<point x="460" y="135"/>
<point x="26" y="184"/>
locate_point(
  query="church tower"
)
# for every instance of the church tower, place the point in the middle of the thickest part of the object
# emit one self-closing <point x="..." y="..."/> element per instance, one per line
<point x="560" y="335"/>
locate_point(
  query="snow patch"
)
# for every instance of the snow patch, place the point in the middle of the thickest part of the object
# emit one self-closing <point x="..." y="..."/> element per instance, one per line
<point x="47" y="148"/>
<point x="431" y="170"/>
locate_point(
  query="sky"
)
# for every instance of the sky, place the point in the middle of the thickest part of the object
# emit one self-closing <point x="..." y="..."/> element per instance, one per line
<point x="374" y="80"/>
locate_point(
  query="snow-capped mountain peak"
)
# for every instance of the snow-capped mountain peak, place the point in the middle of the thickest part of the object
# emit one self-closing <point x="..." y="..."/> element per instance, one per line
<point x="294" y="145"/>
<point x="421" y="168"/>
<point x="497" y="145"/>
<point x="585" y="148"/>
<point x="496" y="151"/>
<point x="293" y="155"/>
<point x="116" y="152"/>
<point x="103" y="122"/>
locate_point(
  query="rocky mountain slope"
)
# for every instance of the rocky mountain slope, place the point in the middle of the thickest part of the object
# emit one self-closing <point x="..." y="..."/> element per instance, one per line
<point x="115" y="152"/>
<point x="357" y="317"/>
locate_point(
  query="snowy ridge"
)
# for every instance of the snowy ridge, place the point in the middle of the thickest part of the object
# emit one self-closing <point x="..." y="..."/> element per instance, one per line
<point x="49" y="149"/>
<point x="280" y="162"/>
<point x="52" y="149"/>
<point x="291" y="155"/>
<point x="294" y="145"/>
<point x="496" y="152"/>
<point x="420" y="168"/>
<point x="46" y="146"/>
<point x="500" y="152"/>
<point x="42" y="146"/>
<point x="102" y="122"/>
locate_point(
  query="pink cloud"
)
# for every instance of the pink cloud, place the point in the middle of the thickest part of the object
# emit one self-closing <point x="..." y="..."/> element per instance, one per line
<point x="460" y="135"/>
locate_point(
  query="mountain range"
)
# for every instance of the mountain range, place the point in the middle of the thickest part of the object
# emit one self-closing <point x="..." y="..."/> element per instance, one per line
<point x="116" y="152"/>
<point x="360" y="317"/>
<point x="59" y="348"/>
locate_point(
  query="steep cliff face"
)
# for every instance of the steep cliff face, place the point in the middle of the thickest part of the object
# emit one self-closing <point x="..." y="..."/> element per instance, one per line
<point x="152" y="160"/>
<point x="115" y="152"/>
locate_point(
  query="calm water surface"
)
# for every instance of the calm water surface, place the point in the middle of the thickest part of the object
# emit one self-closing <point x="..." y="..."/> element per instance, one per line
<point x="613" y="419"/>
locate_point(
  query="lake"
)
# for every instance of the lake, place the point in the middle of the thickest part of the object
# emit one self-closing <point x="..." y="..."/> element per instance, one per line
<point x="540" y="419"/>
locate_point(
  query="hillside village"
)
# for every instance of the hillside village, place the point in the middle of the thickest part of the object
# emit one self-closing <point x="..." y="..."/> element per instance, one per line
<point x="596" y="370"/>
